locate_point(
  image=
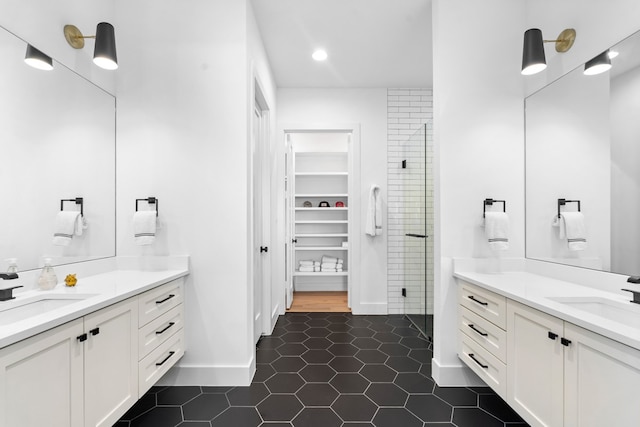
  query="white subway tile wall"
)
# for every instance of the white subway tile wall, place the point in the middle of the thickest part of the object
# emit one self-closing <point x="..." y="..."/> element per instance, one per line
<point x="410" y="199"/>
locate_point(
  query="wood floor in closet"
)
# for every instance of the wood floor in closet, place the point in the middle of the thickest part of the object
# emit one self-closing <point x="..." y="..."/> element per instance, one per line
<point x="319" y="302"/>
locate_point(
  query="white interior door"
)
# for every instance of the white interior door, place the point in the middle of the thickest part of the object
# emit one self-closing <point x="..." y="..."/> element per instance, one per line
<point x="290" y="226"/>
<point x="258" y="274"/>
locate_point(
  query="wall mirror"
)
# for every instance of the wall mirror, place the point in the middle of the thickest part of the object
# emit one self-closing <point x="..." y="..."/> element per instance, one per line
<point x="582" y="141"/>
<point x="57" y="139"/>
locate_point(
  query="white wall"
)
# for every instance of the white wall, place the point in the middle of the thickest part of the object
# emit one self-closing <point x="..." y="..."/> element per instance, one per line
<point x="368" y="107"/>
<point x="478" y="135"/>
<point x="184" y="98"/>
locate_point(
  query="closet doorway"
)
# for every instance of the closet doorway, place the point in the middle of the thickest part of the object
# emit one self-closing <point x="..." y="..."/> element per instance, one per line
<point x="319" y="222"/>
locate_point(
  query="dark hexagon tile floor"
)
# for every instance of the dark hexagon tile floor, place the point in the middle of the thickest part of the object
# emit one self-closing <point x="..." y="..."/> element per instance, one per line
<point x="330" y="370"/>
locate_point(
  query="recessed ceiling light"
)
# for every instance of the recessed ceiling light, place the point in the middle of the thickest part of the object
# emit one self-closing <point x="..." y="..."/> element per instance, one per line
<point x="319" y="55"/>
<point x="613" y="53"/>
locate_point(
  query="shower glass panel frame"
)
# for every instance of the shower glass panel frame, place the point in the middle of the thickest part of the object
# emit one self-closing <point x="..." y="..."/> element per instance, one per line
<point x="417" y="217"/>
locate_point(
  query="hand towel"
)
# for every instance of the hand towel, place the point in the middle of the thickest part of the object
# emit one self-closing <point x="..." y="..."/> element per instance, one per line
<point x="329" y="259"/>
<point x="307" y="269"/>
<point x="496" y="228"/>
<point x="308" y="263"/>
<point x="67" y="224"/>
<point x="329" y="265"/>
<point x="328" y="269"/>
<point x="373" y="224"/>
<point x="572" y="227"/>
<point x="144" y="227"/>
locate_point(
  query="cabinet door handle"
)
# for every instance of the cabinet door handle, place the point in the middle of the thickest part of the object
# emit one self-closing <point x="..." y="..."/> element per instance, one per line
<point x="552" y="336"/>
<point x="477" y="301"/>
<point x="165" y="359"/>
<point x="166" y="299"/>
<point x="82" y="338"/>
<point x="565" y="342"/>
<point x="264" y="249"/>
<point x="471" y="355"/>
<point x="477" y="331"/>
<point x="95" y="331"/>
<point x="165" y="328"/>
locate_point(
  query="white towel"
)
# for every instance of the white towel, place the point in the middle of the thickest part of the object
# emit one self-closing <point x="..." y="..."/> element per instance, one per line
<point x="373" y="224"/>
<point x="328" y="265"/>
<point x="328" y="259"/>
<point x="308" y="269"/>
<point x="308" y="263"/>
<point x="67" y="224"/>
<point x="572" y="228"/>
<point x="496" y="228"/>
<point x="328" y="269"/>
<point x="144" y="227"/>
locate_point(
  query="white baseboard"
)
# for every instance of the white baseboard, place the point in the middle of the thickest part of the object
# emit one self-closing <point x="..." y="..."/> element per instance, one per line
<point x="210" y="375"/>
<point x="454" y="376"/>
<point x="369" y="308"/>
<point x="320" y="287"/>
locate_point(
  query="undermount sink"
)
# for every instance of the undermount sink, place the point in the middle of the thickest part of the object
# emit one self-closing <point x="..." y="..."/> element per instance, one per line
<point x="626" y="313"/>
<point x="23" y="308"/>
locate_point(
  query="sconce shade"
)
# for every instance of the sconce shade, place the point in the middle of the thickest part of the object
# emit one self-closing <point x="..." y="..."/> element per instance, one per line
<point x="598" y="64"/>
<point x="37" y="59"/>
<point x="104" y="55"/>
<point x="533" y="59"/>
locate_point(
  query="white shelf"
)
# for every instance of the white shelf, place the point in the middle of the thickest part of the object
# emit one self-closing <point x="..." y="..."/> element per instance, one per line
<point x="320" y="248"/>
<point x="317" y="221"/>
<point x="330" y="208"/>
<point x="320" y="273"/>
<point x="322" y="195"/>
<point x="302" y="235"/>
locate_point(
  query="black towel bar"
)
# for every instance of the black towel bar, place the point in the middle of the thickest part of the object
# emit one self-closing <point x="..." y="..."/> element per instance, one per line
<point x="151" y="201"/>
<point x="562" y="202"/>
<point x="77" y="201"/>
<point x="490" y="202"/>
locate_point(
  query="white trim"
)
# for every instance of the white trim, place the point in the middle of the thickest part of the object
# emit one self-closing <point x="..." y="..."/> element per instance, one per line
<point x="371" y="308"/>
<point x="454" y="376"/>
<point x="209" y="375"/>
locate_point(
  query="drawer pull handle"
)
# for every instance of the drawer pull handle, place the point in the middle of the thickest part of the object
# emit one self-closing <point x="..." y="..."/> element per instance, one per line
<point x="484" y="334"/>
<point x="166" y="299"/>
<point x="476" y="360"/>
<point x="171" y="353"/>
<point x="565" y="342"/>
<point x="95" y="331"/>
<point x="552" y="336"/>
<point x="82" y="338"/>
<point x="477" y="301"/>
<point x="167" y="327"/>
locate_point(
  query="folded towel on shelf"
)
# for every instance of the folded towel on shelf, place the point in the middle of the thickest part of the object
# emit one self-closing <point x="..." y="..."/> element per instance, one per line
<point x="496" y="228"/>
<point x="308" y="269"/>
<point x="68" y="224"/>
<point x="572" y="228"/>
<point x="328" y="265"/>
<point x="373" y="224"/>
<point x="329" y="259"/>
<point x="309" y="263"/>
<point x="339" y="270"/>
<point x="144" y="227"/>
<point x="328" y="269"/>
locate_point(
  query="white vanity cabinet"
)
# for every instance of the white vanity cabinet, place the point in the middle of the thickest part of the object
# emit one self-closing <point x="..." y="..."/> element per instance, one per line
<point x="83" y="373"/>
<point x="559" y="374"/>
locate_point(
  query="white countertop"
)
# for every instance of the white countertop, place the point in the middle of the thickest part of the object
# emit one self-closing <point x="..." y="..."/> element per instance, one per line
<point x="536" y="290"/>
<point x="105" y="289"/>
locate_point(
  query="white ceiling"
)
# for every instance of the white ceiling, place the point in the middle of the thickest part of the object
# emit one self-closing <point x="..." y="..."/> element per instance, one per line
<point x="371" y="43"/>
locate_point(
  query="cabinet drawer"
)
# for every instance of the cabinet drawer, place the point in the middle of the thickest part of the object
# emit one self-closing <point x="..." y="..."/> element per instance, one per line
<point x="158" y="362"/>
<point x="487" y="304"/>
<point x="159" y="330"/>
<point x="487" y="366"/>
<point x="485" y="333"/>
<point x="158" y="301"/>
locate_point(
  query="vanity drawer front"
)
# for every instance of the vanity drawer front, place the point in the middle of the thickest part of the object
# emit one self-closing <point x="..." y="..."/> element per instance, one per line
<point x="160" y="300"/>
<point x="487" y="304"/>
<point x="487" y="366"/>
<point x="158" y="362"/>
<point x="159" y="330"/>
<point x="485" y="333"/>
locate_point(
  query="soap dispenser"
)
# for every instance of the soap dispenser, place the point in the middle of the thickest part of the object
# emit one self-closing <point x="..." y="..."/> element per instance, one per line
<point x="47" y="279"/>
<point x="13" y="265"/>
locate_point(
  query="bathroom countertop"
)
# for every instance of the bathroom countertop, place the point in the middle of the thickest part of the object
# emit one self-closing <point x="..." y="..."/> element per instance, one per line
<point x="104" y="289"/>
<point x="537" y="292"/>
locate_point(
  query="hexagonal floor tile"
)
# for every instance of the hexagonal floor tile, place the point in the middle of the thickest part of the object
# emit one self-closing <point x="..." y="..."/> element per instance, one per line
<point x="421" y="355"/>
<point x="264" y="371"/>
<point x="266" y="356"/>
<point x="378" y="373"/>
<point x="320" y="394"/>
<point x="472" y="417"/>
<point x="362" y="332"/>
<point x="387" y="337"/>
<point x="284" y="383"/>
<point x="248" y="396"/>
<point x="288" y="364"/>
<point x="279" y="407"/>
<point x="414" y="383"/>
<point x="366" y="343"/>
<point x="291" y="349"/>
<point x="269" y="343"/>
<point x="429" y="408"/>
<point x="387" y="394"/>
<point x="317" y="417"/>
<point x="406" y="332"/>
<point x="343" y="349"/>
<point x="317" y="356"/>
<point x="394" y="417"/>
<point x="317" y="373"/>
<point x="177" y="395"/>
<point x="317" y="332"/>
<point x="457" y="396"/>
<point x="297" y="327"/>
<point x="401" y="364"/>
<point x="340" y="337"/>
<point x="355" y="407"/>
<point x="205" y="407"/>
<point x="294" y="337"/>
<point x="493" y="404"/>
<point x="298" y="318"/>
<point x="317" y="323"/>
<point x="238" y="416"/>
<point x="394" y="349"/>
<point x="317" y="343"/>
<point x="160" y="415"/>
<point x="349" y="383"/>
<point x="371" y="356"/>
<point x="414" y="342"/>
<point x="346" y="364"/>
<point x="339" y="327"/>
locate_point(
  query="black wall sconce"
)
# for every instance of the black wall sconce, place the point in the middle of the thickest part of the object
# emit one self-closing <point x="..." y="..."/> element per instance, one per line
<point x="104" y="54"/>
<point x="37" y="59"/>
<point x="533" y="58"/>
<point x="598" y="64"/>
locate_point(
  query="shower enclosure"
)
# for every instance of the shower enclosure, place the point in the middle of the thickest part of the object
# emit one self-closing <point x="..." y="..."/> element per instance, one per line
<point x="417" y="218"/>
